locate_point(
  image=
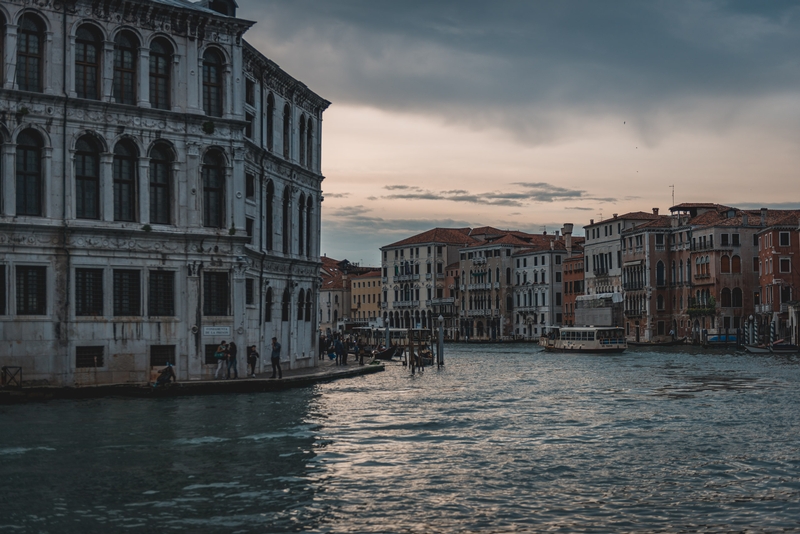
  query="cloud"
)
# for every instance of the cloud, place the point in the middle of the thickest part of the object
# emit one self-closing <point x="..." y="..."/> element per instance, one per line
<point x="530" y="192"/>
<point x="540" y="71"/>
<point x="337" y="195"/>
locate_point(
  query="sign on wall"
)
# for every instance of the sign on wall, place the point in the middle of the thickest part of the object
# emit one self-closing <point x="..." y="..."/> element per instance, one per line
<point x="216" y="331"/>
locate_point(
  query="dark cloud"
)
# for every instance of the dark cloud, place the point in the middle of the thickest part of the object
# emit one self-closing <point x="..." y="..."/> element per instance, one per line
<point x="400" y="187"/>
<point x="530" y="192"/>
<point x="337" y="195"/>
<point x="528" y="67"/>
<point x="768" y="205"/>
<point x="578" y="208"/>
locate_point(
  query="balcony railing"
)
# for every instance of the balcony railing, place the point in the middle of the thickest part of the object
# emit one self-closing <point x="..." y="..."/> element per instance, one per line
<point x="406" y="277"/>
<point x="633" y="313"/>
<point x="633" y="286"/>
<point x="442" y="301"/>
<point x="405" y="304"/>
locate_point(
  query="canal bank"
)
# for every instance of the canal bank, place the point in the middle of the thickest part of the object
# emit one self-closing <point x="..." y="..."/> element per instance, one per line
<point x="325" y="371"/>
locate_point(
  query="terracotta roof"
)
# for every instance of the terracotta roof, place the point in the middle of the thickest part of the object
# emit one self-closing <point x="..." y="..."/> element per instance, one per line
<point x="372" y="273"/>
<point x="507" y="239"/>
<point x="454" y="265"/>
<point x="447" y="236"/>
<point x="694" y="205"/>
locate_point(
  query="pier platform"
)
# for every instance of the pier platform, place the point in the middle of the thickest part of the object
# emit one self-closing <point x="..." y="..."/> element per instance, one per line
<point x="325" y="371"/>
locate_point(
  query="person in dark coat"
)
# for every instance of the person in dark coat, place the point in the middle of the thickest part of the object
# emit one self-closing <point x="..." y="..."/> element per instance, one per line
<point x="275" y="358"/>
<point x="232" y="360"/>
<point x="252" y="359"/>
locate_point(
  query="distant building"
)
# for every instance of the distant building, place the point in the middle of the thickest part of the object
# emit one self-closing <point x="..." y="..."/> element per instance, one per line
<point x="573" y="286"/>
<point x="365" y="299"/>
<point x="336" y="309"/>
<point x="778" y="266"/>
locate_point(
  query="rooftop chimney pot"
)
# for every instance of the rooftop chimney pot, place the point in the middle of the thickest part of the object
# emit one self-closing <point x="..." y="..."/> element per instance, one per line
<point x="655" y="211"/>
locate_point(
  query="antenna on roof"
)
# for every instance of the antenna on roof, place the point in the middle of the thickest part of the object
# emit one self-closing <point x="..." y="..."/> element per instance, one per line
<point x="673" y="194"/>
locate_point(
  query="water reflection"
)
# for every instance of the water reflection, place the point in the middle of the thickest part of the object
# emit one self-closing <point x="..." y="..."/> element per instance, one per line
<point x="501" y="439"/>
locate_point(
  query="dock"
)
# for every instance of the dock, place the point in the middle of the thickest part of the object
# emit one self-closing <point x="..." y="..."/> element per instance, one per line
<point x="325" y="371"/>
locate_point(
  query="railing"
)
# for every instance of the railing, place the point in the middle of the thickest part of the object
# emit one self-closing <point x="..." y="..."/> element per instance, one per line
<point x="659" y="248"/>
<point x="384" y="280"/>
<point x="702" y="276"/>
<point x="480" y="260"/>
<point x="633" y="313"/>
<point x="439" y="302"/>
<point x="406" y="277"/>
<point x="405" y="304"/>
<point x="478" y="287"/>
<point x="784" y="307"/>
<point x="428" y="276"/>
<point x="384" y="305"/>
<point x="632" y="286"/>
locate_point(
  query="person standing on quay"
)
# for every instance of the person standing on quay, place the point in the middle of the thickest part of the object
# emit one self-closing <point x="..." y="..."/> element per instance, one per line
<point x="232" y="360"/>
<point x="221" y="355"/>
<point x="252" y="359"/>
<point x="276" y="358"/>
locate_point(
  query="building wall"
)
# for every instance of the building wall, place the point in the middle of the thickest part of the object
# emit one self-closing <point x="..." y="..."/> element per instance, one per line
<point x="266" y="241"/>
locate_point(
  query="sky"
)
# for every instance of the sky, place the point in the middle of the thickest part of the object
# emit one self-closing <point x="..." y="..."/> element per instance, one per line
<point x="530" y="114"/>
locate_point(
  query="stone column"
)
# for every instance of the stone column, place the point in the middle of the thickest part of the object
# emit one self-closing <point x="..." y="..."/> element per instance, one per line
<point x="107" y="87"/>
<point x="236" y="184"/>
<point x="193" y="321"/>
<point x="143" y="190"/>
<point x="176" y="89"/>
<point x="48" y="198"/>
<point x="239" y="315"/>
<point x="107" y="186"/>
<point x="7" y="168"/>
<point x="193" y="78"/>
<point x="9" y="58"/>
<point x="192" y="214"/>
<point x="144" y="78"/>
<point x="48" y="71"/>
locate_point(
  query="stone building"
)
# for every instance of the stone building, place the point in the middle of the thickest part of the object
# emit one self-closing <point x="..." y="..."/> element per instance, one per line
<point x="779" y="274"/>
<point x="160" y="191"/>
<point x="365" y="300"/>
<point x="573" y="286"/>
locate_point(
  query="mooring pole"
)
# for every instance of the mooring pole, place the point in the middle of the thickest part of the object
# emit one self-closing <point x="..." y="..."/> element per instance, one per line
<point x="411" y="356"/>
<point x="440" y="351"/>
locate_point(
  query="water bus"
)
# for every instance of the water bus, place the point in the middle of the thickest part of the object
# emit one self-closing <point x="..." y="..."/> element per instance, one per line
<point x="596" y="339"/>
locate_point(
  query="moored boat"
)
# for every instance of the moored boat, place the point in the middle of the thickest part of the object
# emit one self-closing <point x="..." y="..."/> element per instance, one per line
<point x="597" y="339"/>
<point x="669" y="343"/>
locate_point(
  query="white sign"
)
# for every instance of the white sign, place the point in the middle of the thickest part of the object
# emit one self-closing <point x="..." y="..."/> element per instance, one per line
<point x="216" y="331"/>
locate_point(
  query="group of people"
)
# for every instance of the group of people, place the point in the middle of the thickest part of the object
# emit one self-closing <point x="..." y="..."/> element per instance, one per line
<point x="226" y="357"/>
<point x="337" y="348"/>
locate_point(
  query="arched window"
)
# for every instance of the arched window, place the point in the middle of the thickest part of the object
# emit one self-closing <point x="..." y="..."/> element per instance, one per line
<point x="674" y="278"/>
<point x="270" y="213"/>
<point x="706" y="266"/>
<point x="287" y="122"/>
<point x="736" y="297"/>
<point x="725" y="264"/>
<point x="688" y="270"/>
<point x="509" y="303"/>
<point x="309" y="144"/>
<point x="725" y="298"/>
<point x="660" y="273"/>
<point x="302" y="139"/>
<point x="309" y="206"/>
<point x="301" y="300"/>
<point x="335" y="316"/>
<point x="212" y="82"/>
<point x="160" y="184"/>
<point x="508" y="275"/>
<point x="87" y="178"/>
<point x="736" y="264"/>
<point x="160" y="67"/>
<point x="125" y="159"/>
<point x="287" y="298"/>
<point x="30" y="53"/>
<point x="270" y="121"/>
<point x="308" y="306"/>
<point x="268" y="306"/>
<point x="660" y="302"/>
<point x="126" y="50"/>
<point x="214" y="189"/>
<point x="301" y="224"/>
<point x="286" y="220"/>
<point x="88" y="46"/>
<point x="29" y="183"/>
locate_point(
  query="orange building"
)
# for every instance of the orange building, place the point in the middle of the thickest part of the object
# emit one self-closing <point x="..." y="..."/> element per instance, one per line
<point x="573" y="286"/>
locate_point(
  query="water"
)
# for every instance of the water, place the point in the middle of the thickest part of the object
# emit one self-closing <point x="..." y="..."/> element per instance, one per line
<point x="504" y="439"/>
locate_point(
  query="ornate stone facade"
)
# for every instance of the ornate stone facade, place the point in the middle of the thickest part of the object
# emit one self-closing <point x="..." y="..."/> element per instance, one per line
<point x="161" y="192"/>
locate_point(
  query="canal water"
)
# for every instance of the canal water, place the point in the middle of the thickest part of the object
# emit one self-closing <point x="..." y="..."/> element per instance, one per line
<point x="505" y="438"/>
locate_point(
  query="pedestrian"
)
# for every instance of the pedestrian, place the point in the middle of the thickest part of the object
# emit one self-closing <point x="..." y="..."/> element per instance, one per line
<point x="232" y="360"/>
<point x="221" y="355"/>
<point x="322" y="346"/>
<point x="339" y="347"/>
<point x="252" y="359"/>
<point x="275" y="358"/>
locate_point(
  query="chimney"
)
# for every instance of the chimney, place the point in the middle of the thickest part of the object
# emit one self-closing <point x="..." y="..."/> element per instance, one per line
<point x="556" y="234"/>
<point x="763" y="216"/>
<point x="615" y="215"/>
<point x="655" y="211"/>
<point x="591" y="222"/>
<point x="744" y="219"/>
<point x="567" y="231"/>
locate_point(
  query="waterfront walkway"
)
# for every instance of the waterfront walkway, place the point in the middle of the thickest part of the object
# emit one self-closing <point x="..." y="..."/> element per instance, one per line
<point x="325" y="371"/>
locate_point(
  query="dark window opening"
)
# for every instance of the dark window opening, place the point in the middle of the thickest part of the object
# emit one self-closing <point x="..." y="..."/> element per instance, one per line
<point x="31" y="290"/>
<point x="126" y="50"/>
<point x="216" y="291"/>
<point x="127" y="292"/>
<point x="161" y="355"/>
<point x="89" y="357"/>
<point x="88" y="292"/>
<point x="162" y="294"/>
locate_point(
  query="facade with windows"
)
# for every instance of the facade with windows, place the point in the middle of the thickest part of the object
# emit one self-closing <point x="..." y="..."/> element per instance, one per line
<point x="573" y="286"/>
<point x="159" y="192"/>
<point x="779" y="274"/>
<point x="365" y="300"/>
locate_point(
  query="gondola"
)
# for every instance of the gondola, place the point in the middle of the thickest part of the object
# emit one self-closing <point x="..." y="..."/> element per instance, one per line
<point x="388" y="354"/>
<point x="669" y="343"/>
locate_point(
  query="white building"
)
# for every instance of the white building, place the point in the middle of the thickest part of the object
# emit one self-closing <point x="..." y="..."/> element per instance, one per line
<point x="160" y="192"/>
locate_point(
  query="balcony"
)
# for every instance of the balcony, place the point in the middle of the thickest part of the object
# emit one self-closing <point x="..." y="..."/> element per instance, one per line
<point x="480" y="260"/>
<point x="406" y="277"/>
<point x="384" y="280"/>
<point x="428" y="276"/>
<point x="439" y="276"/>
<point x="633" y="313"/>
<point x="405" y="304"/>
<point x="660" y="248"/>
<point x="479" y="287"/>
<point x="633" y="286"/>
<point x="384" y="305"/>
<point x="443" y="301"/>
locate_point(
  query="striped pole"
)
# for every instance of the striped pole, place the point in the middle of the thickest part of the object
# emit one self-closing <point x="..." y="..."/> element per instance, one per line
<point x="755" y="333"/>
<point x="772" y="332"/>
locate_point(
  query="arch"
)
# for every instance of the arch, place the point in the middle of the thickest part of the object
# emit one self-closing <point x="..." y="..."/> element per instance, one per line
<point x="268" y="306"/>
<point x="335" y="316"/>
<point x="87" y="178"/>
<point x="287" y="128"/>
<point x="725" y="264"/>
<point x="736" y="264"/>
<point x="160" y="73"/>
<point x="125" y="169"/>
<point x="213" y="170"/>
<point x="509" y="303"/>
<point x="725" y="298"/>
<point x="660" y="273"/>
<point x="309" y="207"/>
<point x="660" y="302"/>
<point x="270" y="121"/>
<point x="736" y="297"/>
<point x="88" y="58"/>
<point x="29" y="176"/>
<point x="126" y="53"/>
<point x="286" y="301"/>
<point x="406" y="320"/>
<point x="269" y="230"/>
<point x="301" y="223"/>
<point x="162" y="156"/>
<point x="30" y="52"/>
<point x="309" y="144"/>
<point x="301" y="300"/>
<point x="213" y="67"/>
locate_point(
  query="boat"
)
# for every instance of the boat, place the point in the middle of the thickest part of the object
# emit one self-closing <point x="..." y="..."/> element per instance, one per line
<point x="757" y="349"/>
<point x="783" y="348"/>
<point x="595" y="339"/>
<point x="668" y="343"/>
<point x="388" y="354"/>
